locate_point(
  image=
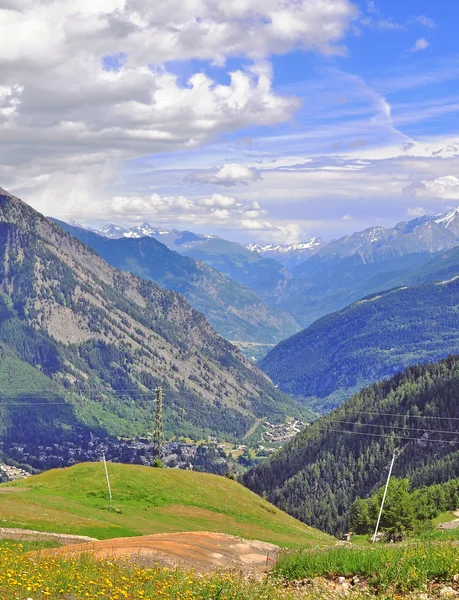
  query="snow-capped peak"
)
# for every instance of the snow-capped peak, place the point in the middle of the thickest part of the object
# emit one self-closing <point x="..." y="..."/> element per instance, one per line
<point x="446" y="219"/>
<point x="285" y="248"/>
<point x="112" y="230"/>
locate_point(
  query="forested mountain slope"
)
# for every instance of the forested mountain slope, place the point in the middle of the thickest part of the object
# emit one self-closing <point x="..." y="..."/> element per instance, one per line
<point x="373" y="338"/>
<point x="345" y="455"/>
<point x="235" y="311"/>
<point x="263" y="275"/>
<point x="107" y="338"/>
<point x="332" y="284"/>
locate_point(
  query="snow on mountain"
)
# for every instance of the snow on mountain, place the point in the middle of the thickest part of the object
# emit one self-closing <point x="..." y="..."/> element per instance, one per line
<point x="447" y="219"/>
<point x="284" y="248"/>
<point x="423" y="234"/>
<point x="172" y="238"/>
<point x="288" y="254"/>
<point x="112" y="231"/>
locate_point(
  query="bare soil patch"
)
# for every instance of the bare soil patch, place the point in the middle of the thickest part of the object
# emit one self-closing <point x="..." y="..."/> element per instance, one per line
<point x="202" y="551"/>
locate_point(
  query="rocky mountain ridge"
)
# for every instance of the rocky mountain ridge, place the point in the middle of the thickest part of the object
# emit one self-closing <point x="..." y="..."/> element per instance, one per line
<point x="235" y="311"/>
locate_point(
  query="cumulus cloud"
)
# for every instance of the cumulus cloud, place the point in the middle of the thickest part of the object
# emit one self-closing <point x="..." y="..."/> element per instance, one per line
<point x="443" y="188"/>
<point x="220" y="201"/>
<point x="175" y="29"/>
<point x="420" y="44"/>
<point x="219" y="210"/>
<point x="346" y="218"/>
<point x="85" y="84"/>
<point x="228" y="174"/>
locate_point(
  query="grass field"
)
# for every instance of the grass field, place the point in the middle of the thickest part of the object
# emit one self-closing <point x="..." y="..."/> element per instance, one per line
<point x="146" y="501"/>
<point x="402" y="567"/>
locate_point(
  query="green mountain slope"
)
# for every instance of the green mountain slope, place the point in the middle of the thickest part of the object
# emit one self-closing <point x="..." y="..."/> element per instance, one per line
<point x="109" y="338"/>
<point x="235" y="311"/>
<point x="74" y="500"/>
<point x="373" y="338"/>
<point x="345" y="455"/>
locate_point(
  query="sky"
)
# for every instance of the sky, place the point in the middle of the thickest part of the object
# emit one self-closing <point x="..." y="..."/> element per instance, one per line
<point x="256" y="120"/>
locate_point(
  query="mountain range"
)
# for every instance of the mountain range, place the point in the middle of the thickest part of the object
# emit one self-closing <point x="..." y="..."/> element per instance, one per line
<point x="93" y="342"/>
<point x="315" y="278"/>
<point x="289" y="255"/>
<point x="234" y="310"/>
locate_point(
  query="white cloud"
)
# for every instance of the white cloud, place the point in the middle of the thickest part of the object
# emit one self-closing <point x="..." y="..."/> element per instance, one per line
<point x="420" y="44"/>
<point x="426" y="21"/>
<point x="216" y="210"/>
<point x="63" y="114"/>
<point x="134" y="206"/>
<point x="219" y="201"/>
<point x="416" y="211"/>
<point x="221" y="214"/>
<point x="227" y="174"/>
<point x="255" y="225"/>
<point x="347" y="218"/>
<point x="443" y="188"/>
<point x="376" y="19"/>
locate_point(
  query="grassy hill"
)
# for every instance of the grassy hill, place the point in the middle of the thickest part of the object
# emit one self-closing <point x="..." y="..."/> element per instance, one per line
<point x="146" y="501"/>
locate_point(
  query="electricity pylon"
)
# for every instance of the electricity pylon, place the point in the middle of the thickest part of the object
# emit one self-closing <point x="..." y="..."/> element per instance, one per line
<point x="158" y="436"/>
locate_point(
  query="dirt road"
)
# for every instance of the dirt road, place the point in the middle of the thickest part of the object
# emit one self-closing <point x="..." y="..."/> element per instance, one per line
<point x="65" y="539"/>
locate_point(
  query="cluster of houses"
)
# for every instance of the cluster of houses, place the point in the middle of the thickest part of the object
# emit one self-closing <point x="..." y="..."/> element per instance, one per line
<point x="279" y="433"/>
<point x="12" y="473"/>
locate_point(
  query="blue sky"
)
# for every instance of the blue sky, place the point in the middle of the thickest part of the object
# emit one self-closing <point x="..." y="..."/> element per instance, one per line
<point x="269" y="120"/>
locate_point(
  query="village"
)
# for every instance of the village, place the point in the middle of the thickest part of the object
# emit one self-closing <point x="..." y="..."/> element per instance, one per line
<point x="280" y="433"/>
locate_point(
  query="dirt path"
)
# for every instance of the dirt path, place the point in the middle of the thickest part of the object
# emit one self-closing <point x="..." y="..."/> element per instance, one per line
<point x="254" y="428"/>
<point x="202" y="551"/>
<point x="451" y="524"/>
<point x="28" y="535"/>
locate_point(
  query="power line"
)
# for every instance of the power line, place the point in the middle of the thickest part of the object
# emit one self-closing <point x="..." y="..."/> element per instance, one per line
<point x="362" y="412"/>
<point x="384" y="435"/>
<point x="397" y="427"/>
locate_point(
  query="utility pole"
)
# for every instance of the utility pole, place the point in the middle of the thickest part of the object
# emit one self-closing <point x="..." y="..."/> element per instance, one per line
<point x="373" y="539"/>
<point x="159" y="430"/>
<point x="108" y="483"/>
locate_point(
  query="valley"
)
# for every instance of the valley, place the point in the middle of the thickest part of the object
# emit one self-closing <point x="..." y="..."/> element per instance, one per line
<point x="229" y="300"/>
<point x="87" y="336"/>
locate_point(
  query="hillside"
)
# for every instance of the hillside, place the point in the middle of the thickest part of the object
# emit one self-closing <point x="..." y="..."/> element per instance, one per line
<point x="369" y="340"/>
<point x="265" y="276"/>
<point x="331" y="284"/>
<point x="106" y="339"/>
<point x="233" y="310"/>
<point x="344" y="455"/>
<point x="147" y="501"/>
